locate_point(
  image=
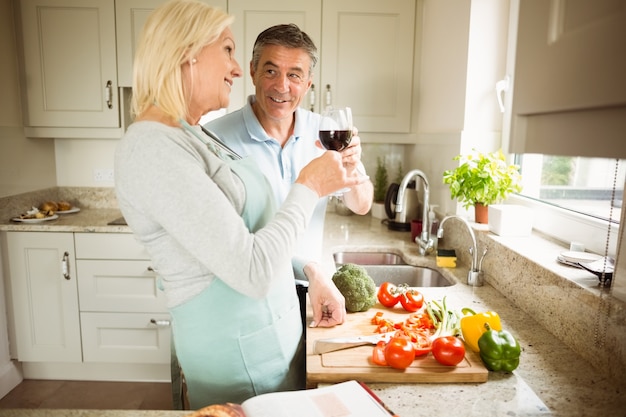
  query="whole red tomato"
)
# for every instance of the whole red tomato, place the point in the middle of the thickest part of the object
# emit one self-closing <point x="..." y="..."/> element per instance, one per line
<point x="399" y="353"/>
<point x="388" y="294"/>
<point x="448" y="350"/>
<point x="412" y="300"/>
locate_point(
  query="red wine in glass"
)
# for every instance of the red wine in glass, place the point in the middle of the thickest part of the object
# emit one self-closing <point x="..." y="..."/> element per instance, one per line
<point x="335" y="140"/>
<point x="335" y="130"/>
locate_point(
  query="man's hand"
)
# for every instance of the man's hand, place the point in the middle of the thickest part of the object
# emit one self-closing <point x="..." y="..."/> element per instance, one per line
<point x="359" y="198"/>
<point x="328" y="304"/>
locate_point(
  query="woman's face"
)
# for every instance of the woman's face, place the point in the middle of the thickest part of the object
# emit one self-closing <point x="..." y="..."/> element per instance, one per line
<point x="209" y="76"/>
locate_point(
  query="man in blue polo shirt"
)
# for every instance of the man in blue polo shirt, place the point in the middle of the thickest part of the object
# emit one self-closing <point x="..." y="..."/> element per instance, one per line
<point x="281" y="136"/>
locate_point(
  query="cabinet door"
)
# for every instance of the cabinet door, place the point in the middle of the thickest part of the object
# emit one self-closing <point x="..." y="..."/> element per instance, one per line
<point x="251" y="18"/>
<point x="109" y="246"/>
<point x="567" y="64"/>
<point x="367" y="60"/>
<point x="44" y="296"/>
<point x="126" y="338"/>
<point x="70" y="63"/>
<point x="119" y="285"/>
<point x="130" y="16"/>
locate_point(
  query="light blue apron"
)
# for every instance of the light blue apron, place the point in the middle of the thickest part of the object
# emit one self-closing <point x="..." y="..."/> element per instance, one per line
<point x="232" y="347"/>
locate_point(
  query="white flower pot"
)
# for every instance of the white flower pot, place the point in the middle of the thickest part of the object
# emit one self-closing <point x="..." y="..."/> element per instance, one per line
<point x="510" y="220"/>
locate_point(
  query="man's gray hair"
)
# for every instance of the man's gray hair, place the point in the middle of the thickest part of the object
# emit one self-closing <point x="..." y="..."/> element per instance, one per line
<point x="289" y="36"/>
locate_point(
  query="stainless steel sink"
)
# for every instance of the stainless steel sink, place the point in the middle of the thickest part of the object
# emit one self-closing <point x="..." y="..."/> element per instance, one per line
<point x="368" y="258"/>
<point x="390" y="267"/>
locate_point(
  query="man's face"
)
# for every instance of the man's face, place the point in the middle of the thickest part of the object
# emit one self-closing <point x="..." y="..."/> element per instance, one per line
<point x="282" y="79"/>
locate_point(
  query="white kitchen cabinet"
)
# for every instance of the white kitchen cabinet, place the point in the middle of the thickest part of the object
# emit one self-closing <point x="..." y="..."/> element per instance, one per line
<point x="130" y="16"/>
<point x="86" y="306"/>
<point x="70" y="70"/>
<point x="122" y="310"/>
<point x="566" y="64"/>
<point x="44" y="297"/>
<point x="367" y="59"/>
<point x="366" y="54"/>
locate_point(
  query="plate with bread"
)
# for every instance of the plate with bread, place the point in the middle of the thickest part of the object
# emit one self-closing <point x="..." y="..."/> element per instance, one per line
<point x="35" y="219"/>
<point x="34" y="215"/>
<point x="59" y="207"/>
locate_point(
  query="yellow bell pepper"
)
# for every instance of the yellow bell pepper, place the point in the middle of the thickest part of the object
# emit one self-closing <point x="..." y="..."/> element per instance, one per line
<point x="473" y="326"/>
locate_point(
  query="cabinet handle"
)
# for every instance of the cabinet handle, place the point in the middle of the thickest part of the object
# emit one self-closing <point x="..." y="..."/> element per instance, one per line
<point x="108" y="94"/>
<point x="65" y="265"/>
<point x="312" y="98"/>
<point x="329" y="96"/>
<point x="160" y="323"/>
<point x="502" y="87"/>
<point x="151" y="269"/>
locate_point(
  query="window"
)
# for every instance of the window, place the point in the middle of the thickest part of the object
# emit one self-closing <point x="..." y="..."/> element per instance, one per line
<point x="574" y="198"/>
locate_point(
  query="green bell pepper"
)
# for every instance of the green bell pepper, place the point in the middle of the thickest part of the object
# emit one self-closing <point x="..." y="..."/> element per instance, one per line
<point x="499" y="350"/>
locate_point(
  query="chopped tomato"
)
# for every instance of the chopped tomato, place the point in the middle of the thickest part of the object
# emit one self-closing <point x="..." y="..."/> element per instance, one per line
<point x="388" y="294"/>
<point x="422" y="344"/>
<point x="378" y="355"/>
<point x="377" y="317"/>
<point x="420" y="320"/>
<point x="412" y="300"/>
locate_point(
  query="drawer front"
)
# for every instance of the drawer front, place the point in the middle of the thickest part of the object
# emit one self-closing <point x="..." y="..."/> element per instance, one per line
<point x="125" y="337"/>
<point x="119" y="286"/>
<point x="109" y="246"/>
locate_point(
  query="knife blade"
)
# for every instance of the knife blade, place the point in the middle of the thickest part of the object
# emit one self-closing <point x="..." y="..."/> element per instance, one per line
<point x="338" y="343"/>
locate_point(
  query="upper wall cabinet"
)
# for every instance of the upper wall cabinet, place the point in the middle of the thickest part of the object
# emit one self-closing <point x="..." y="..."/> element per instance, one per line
<point x="367" y="60"/>
<point x="567" y="66"/>
<point x="366" y="54"/>
<point x="130" y="16"/>
<point x="251" y="18"/>
<point x="70" y="72"/>
<point x="72" y="58"/>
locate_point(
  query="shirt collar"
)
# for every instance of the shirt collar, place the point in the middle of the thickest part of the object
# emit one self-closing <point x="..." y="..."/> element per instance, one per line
<point x="257" y="132"/>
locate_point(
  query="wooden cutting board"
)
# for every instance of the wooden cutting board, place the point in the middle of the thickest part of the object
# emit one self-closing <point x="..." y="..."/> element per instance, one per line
<point x="356" y="363"/>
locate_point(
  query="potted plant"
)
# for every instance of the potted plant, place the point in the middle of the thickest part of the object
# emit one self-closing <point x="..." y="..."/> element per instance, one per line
<point x="482" y="179"/>
<point x="380" y="189"/>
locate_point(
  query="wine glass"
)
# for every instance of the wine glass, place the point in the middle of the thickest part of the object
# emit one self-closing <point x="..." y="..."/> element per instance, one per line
<point x="336" y="128"/>
<point x="336" y="133"/>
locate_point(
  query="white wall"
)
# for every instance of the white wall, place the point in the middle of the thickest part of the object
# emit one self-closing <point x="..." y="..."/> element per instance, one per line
<point x="25" y="164"/>
<point x="440" y="93"/>
<point x="22" y="163"/>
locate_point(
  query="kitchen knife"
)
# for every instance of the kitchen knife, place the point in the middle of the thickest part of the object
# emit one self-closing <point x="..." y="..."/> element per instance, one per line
<point x="338" y="343"/>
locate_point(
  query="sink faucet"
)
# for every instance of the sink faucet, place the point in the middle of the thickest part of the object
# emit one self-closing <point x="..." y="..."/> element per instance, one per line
<point x="424" y="241"/>
<point x="474" y="276"/>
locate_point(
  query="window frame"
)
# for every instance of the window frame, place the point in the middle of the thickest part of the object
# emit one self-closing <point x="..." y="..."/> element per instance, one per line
<point x="568" y="226"/>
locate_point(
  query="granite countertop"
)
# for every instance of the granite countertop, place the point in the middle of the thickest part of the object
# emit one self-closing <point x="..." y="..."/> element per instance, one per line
<point x="97" y="208"/>
<point x="86" y="220"/>
<point x="91" y="413"/>
<point x="551" y="380"/>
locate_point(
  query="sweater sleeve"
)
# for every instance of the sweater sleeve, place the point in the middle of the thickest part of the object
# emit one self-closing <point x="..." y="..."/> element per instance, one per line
<point x="185" y="204"/>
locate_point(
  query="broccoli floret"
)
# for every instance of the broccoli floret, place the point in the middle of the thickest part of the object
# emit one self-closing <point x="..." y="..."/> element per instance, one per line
<point x="357" y="287"/>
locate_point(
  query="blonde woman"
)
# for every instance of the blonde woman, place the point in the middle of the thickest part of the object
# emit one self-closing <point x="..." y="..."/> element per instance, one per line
<point x="207" y="217"/>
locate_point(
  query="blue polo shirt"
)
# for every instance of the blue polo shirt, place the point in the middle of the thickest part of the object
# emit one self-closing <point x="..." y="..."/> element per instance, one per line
<point x="242" y="132"/>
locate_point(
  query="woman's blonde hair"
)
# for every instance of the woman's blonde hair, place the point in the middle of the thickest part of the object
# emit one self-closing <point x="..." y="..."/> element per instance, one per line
<point x="173" y="34"/>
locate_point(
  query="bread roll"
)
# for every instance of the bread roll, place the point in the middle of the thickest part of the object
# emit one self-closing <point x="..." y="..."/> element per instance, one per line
<point x="64" y="206"/>
<point x="49" y="206"/>
<point x="219" y="410"/>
